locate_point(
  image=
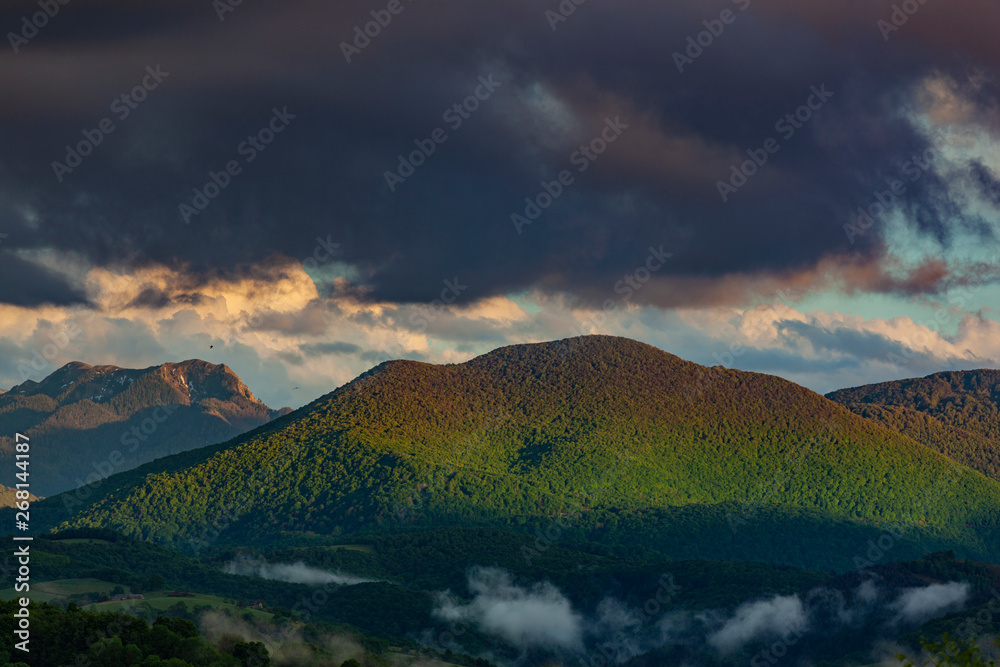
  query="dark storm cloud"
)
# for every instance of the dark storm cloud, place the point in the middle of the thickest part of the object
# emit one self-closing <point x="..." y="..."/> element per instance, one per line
<point x="323" y="175"/>
<point x="150" y="298"/>
<point x="25" y="283"/>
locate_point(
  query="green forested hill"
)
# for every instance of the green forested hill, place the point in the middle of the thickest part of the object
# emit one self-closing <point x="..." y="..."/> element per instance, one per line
<point x="90" y="421"/>
<point x="968" y="448"/>
<point x="956" y="413"/>
<point x="611" y="429"/>
<point x="969" y="400"/>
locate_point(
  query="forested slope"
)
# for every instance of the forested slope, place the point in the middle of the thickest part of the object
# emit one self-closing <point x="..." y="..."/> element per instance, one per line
<point x="605" y="426"/>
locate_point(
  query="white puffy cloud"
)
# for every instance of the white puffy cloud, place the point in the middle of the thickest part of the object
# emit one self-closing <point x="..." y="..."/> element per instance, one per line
<point x="920" y="604"/>
<point x="540" y="616"/>
<point x="764" y="618"/>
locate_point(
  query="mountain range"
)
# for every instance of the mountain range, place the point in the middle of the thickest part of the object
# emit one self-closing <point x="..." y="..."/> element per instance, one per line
<point x="613" y="440"/>
<point x="575" y="478"/>
<point x="87" y="422"/>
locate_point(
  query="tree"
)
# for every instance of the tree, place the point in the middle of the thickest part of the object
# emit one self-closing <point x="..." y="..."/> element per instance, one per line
<point x="133" y="655"/>
<point x="252" y="654"/>
<point x="952" y="653"/>
<point x="180" y="626"/>
<point x="227" y="642"/>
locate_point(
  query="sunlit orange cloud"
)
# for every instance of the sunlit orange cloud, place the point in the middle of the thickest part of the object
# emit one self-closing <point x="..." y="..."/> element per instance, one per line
<point x="280" y="288"/>
<point x="277" y="318"/>
<point x="156" y="314"/>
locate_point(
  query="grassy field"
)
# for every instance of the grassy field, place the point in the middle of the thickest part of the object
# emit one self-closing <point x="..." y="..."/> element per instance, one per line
<point x="160" y="601"/>
<point x="83" y="540"/>
<point x="67" y="587"/>
<point x="53" y="590"/>
<point x="10" y="594"/>
<point x="157" y="600"/>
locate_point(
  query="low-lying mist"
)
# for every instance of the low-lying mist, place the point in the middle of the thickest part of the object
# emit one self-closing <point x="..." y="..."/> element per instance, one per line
<point x="293" y="573"/>
<point x="538" y="618"/>
<point x="289" y="646"/>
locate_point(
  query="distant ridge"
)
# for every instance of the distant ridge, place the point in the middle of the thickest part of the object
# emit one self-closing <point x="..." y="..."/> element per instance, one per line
<point x="955" y="412"/>
<point x="86" y="421"/>
<point x="8" y="497"/>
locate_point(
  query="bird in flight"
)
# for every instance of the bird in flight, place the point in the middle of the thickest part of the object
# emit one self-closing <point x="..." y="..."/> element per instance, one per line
<point x="210" y="346"/>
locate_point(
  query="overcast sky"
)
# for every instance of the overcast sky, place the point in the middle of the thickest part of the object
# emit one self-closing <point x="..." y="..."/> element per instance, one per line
<point x="268" y="179"/>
